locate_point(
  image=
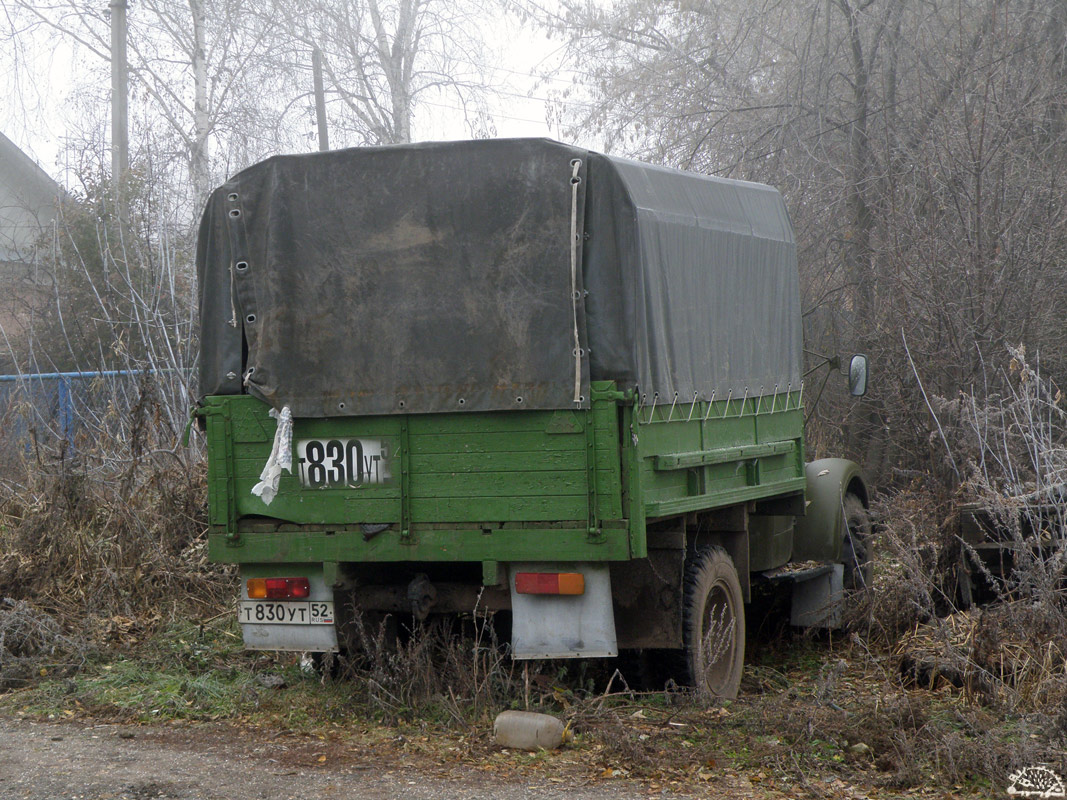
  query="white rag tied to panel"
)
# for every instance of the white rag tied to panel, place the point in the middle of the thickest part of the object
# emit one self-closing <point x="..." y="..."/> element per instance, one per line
<point x="281" y="457"/>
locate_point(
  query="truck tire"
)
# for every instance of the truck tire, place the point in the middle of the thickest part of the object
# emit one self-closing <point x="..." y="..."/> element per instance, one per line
<point x="714" y="624"/>
<point x="856" y="546"/>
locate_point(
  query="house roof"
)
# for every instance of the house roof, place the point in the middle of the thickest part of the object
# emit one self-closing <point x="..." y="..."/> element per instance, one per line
<point x="27" y="201"/>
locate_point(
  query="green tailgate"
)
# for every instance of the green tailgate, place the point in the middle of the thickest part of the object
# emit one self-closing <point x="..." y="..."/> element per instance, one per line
<point x="499" y="486"/>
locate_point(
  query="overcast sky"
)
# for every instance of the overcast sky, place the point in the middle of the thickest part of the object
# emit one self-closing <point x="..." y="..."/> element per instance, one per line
<point x="38" y="115"/>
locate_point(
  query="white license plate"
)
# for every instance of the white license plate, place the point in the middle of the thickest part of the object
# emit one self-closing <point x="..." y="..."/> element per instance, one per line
<point x="342" y="462"/>
<point x="266" y="612"/>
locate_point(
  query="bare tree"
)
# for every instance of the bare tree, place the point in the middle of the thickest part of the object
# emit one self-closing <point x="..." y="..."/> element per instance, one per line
<point x="921" y="149"/>
<point x="200" y="64"/>
<point x="383" y="58"/>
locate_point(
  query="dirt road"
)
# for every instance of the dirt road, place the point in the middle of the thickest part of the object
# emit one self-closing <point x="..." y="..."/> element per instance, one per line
<point x="84" y="761"/>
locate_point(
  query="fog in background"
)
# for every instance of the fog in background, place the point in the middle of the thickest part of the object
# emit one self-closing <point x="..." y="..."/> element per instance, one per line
<point x="921" y="148"/>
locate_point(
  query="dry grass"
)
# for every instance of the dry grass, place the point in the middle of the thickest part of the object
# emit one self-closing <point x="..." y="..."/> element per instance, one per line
<point x="82" y="547"/>
<point x="451" y="668"/>
<point x="33" y="645"/>
<point x="103" y="525"/>
<point x="911" y="582"/>
<point x="1010" y="655"/>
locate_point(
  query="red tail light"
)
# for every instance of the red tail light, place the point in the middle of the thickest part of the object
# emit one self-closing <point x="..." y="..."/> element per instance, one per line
<point x="278" y="588"/>
<point x="549" y="583"/>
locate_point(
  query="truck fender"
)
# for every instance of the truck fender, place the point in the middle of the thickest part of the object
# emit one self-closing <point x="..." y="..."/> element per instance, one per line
<point x="820" y="532"/>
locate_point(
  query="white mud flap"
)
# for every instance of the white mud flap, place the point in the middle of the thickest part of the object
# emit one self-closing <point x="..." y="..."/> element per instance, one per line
<point x="290" y="624"/>
<point x="563" y="626"/>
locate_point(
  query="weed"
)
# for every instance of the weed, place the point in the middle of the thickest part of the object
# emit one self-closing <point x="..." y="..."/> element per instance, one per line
<point x="105" y="558"/>
<point x="455" y="670"/>
<point x="32" y="644"/>
<point x="147" y="693"/>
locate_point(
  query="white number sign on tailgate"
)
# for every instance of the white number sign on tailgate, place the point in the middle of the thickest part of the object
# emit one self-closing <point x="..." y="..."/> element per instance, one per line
<point x="342" y="462"/>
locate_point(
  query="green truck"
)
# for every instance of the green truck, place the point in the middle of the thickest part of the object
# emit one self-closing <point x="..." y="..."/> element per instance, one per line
<point x="518" y="376"/>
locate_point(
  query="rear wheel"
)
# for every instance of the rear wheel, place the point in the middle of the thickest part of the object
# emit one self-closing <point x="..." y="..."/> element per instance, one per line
<point x="714" y="627"/>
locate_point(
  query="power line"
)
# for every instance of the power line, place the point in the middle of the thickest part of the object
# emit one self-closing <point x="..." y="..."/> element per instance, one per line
<point x="543" y="99"/>
<point x="492" y="114"/>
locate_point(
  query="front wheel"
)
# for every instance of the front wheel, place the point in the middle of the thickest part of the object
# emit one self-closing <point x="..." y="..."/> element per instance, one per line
<point x="714" y="627"/>
<point x="857" y="545"/>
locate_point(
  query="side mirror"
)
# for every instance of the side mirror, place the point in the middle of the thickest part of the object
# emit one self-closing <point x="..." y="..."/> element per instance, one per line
<point x="857" y="375"/>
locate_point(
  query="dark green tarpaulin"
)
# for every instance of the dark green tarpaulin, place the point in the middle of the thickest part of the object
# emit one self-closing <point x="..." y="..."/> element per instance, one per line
<point x="438" y="277"/>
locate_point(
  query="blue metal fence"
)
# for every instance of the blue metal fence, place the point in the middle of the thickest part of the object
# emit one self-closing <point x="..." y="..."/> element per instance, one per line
<point x="57" y="406"/>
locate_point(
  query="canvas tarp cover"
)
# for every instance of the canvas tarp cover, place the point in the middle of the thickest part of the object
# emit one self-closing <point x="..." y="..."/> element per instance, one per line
<point x="438" y="277"/>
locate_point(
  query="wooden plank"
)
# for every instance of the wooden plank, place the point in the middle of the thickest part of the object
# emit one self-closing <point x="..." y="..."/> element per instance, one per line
<point x="347" y="428"/>
<point x="249" y="459"/>
<point x="500" y="422"/>
<point x="569" y="544"/>
<point x="529" y="461"/>
<point x="218" y="473"/>
<point x="715" y="499"/>
<point x="497" y="442"/>
<point x="499" y="509"/>
<point x="722" y="455"/>
<point x="670" y="437"/>
<point x="498" y="484"/>
<point x="607" y="460"/>
<point x="728" y="432"/>
<point x="252" y="429"/>
<point x="292" y="508"/>
<point x="654" y="483"/>
<point x="250" y="468"/>
<point x="780" y="425"/>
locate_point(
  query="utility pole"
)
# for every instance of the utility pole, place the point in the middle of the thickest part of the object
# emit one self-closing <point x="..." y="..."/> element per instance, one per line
<point x="120" y="142"/>
<point x="320" y="99"/>
<point x="201" y="123"/>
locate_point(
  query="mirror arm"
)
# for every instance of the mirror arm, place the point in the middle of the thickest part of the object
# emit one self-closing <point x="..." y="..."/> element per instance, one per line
<point x="818" y="397"/>
<point x="833" y="361"/>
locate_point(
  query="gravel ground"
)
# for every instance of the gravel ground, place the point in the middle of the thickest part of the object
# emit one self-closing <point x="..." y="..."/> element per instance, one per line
<point x="78" y="761"/>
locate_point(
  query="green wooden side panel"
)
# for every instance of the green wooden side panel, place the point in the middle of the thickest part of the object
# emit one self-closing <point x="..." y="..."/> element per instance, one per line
<point x="471" y="468"/>
<point x="698" y="456"/>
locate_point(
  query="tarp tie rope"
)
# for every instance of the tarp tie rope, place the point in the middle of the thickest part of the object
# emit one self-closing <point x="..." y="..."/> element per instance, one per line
<point x="281" y="457"/>
<point x="575" y="181"/>
<point x="233" y="288"/>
